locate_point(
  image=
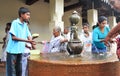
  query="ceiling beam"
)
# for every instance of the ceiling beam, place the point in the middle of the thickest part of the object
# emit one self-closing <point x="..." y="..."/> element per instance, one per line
<point x="30" y="2"/>
<point x="73" y="6"/>
<point x="64" y="1"/>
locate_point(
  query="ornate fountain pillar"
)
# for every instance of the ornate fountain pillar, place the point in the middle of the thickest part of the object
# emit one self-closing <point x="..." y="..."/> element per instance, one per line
<point x="74" y="46"/>
<point x="112" y="21"/>
<point x="56" y="13"/>
<point x="92" y="16"/>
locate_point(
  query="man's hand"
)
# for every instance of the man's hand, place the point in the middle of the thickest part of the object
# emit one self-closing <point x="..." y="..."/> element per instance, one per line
<point x="28" y="46"/>
<point x="33" y="43"/>
<point x="107" y="41"/>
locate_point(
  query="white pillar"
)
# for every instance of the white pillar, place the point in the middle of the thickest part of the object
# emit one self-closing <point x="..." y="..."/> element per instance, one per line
<point x="56" y="13"/>
<point x="80" y="24"/>
<point x="112" y="21"/>
<point x="92" y="16"/>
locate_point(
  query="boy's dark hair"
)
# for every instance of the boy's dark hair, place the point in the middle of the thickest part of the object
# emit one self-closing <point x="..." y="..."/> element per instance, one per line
<point x="8" y="25"/>
<point x="94" y="26"/>
<point x="101" y="19"/>
<point x="85" y="24"/>
<point x="22" y="10"/>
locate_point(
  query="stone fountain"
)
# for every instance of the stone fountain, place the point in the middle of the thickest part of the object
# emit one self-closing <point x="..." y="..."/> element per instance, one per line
<point x="60" y="64"/>
<point x="74" y="46"/>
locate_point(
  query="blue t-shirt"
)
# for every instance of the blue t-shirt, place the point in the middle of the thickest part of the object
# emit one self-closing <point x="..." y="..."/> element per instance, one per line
<point x="20" y="30"/>
<point x="98" y="35"/>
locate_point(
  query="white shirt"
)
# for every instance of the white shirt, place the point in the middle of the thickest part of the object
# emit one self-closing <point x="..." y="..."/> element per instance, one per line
<point x="87" y="41"/>
<point x="64" y="45"/>
<point x="54" y="45"/>
<point x="27" y="50"/>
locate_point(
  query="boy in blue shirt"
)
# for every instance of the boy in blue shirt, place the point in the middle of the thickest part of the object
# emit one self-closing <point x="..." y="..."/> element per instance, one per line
<point x="19" y="35"/>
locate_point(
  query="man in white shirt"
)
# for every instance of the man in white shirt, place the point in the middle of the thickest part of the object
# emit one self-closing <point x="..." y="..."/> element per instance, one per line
<point x="86" y="38"/>
<point x="66" y="35"/>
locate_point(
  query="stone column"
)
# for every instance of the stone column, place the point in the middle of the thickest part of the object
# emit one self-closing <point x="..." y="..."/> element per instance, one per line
<point x="80" y="24"/>
<point x="56" y="13"/>
<point x="92" y="16"/>
<point x="112" y="21"/>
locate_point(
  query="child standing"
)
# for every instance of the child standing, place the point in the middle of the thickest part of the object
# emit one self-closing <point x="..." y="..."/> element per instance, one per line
<point x="19" y="35"/>
<point x="5" y="41"/>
